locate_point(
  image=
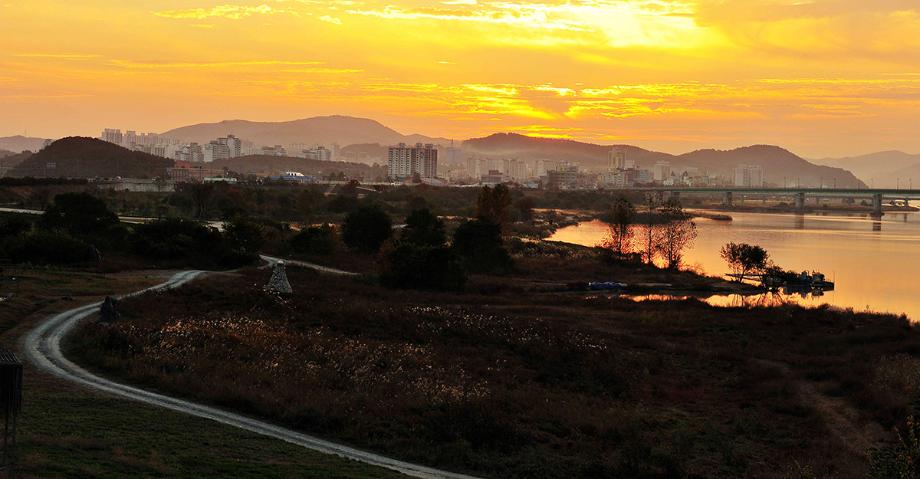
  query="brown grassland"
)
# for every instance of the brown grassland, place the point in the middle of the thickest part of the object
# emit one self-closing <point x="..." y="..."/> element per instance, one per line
<point x="514" y="379"/>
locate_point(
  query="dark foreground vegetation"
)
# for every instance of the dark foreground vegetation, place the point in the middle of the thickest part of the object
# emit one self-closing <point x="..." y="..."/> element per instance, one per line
<point x="506" y="381"/>
<point x="78" y="230"/>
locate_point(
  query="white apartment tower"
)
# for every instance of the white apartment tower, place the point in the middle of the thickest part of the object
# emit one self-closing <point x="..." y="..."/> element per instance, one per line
<point x="112" y="135"/>
<point x="662" y="170"/>
<point x="405" y="161"/>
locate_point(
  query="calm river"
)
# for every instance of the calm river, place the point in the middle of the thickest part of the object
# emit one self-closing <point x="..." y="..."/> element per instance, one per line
<point x="872" y="262"/>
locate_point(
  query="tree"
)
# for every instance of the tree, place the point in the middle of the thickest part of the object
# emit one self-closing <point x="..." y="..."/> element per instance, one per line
<point x="201" y="194"/>
<point x="525" y="208"/>
<point x="419" y="266"/>
<point x="424" y="228"/>
<point x="479" y="243"/>
<point x="492" y="204"/>
<point x="649" y="231"/>
<point x="80" y="214"/>
<point x="366" y="229"/>
<point x="315" y="240"/>
<point x="620" y="218"/>
<point x="744" y="258"/>
<point x="676" y="234"/>
<point x="244" y="235"/>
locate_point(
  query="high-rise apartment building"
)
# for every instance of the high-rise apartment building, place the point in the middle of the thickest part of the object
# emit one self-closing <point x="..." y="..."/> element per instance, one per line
<point x="235" y="145"/>
<point x="662" y="171"/>
<point x="112" y="135"/>
<point x="749" y="176"/>
<point x="320" y="153"/>
<point x="405" y="161"/>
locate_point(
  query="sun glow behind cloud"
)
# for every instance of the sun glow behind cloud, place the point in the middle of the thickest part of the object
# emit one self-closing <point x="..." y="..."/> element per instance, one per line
<point x="824" y="76"/>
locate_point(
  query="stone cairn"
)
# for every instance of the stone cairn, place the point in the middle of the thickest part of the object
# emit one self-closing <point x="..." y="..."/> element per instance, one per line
<point x="278" y="283"/>
<point x="108" y="312"/>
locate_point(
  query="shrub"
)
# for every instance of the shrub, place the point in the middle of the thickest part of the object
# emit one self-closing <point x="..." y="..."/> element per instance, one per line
<point x="366" y="229"/>
<point x="479" y="243"/>
<point x="415" y="266"/>
<point x="315" y="240"/>
<point x="186" y="242"/>
<point x="49" y="247"/>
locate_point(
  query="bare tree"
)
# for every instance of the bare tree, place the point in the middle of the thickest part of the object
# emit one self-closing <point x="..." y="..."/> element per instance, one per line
<point x="621" y="217"/>
<point x="649" y="231"/>
<point x="676" y="234"/>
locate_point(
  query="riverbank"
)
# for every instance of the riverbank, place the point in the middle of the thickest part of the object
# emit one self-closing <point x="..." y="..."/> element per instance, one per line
<point x="512" y="379"/>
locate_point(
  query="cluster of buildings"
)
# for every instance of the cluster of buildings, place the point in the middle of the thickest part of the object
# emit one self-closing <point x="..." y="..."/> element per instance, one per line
<point x="621" y="172"/>
<point x="193" y="152"/>
<point x="217" y="149"/>
<point x="419" y="162"/>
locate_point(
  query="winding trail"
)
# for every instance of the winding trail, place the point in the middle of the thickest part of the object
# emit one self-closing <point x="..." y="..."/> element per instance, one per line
<point x="42" y="346"/>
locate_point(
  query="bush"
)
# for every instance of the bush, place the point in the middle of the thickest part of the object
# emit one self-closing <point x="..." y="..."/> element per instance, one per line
<point x="366" y="229"/>
<point x="49" y="247"/>
<point x="479" y="244"/>
<point x="414" y="266"/>
<point x="187" y="242"/>
<point x="315" y="240"/>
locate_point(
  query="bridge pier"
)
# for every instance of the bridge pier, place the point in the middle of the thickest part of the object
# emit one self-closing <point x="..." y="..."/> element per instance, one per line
<point x="877" y="206"/>
<point x="800" y="201"/>
<point x="727" y="199"/>
<point x="674" y="196"/>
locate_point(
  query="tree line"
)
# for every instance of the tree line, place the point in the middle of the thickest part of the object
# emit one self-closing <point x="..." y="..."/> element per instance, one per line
<point x="658" y="231"/>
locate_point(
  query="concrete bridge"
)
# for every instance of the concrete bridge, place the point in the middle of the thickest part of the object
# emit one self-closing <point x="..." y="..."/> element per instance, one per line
<point x="799" y="195"/>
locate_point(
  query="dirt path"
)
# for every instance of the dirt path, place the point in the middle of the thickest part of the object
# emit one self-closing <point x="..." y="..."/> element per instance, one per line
<point x="42" y="346"/>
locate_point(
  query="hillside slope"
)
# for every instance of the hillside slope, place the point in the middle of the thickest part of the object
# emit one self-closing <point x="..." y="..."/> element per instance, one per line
<point x="882" y="169"/>
<point x="78" y="157"/>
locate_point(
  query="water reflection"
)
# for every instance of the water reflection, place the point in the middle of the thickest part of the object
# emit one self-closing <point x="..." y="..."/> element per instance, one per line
<point x="762" y="300"/>
<point x="871" y="261"/>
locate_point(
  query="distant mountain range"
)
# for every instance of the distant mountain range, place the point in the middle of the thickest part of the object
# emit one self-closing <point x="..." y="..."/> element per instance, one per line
<point x="17" y="144"/>
<point x="779" y="165"/>
<point x="363" y="140"/>
<point x="885" y="169"/>
<point x="323" y="130"/>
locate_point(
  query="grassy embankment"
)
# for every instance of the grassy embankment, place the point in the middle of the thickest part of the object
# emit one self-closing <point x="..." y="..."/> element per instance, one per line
<point x="67" y="431"/>
<point x="512" y="380"/>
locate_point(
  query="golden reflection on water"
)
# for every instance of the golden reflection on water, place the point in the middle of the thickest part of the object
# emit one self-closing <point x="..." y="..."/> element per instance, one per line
<point x="872" y="262"/>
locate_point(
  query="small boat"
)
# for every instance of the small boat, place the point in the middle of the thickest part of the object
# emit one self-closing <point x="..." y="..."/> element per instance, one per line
<point x="605" y="286"/>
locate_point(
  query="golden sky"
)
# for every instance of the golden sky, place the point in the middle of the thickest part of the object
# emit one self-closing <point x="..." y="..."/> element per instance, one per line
<point x="821" y="77"/>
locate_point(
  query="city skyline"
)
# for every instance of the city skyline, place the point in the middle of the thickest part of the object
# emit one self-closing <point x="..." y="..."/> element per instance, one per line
<point x="822" y="78"/>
